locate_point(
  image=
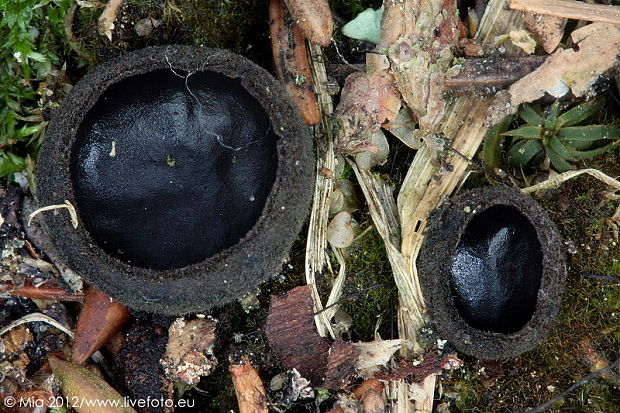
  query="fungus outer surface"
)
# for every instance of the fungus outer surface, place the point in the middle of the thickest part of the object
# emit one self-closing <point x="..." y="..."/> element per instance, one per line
<point x="96" y="128"/>
<point x="496" y="270"/>
<point x="492" y="270"/>
<point x="169" y="170"/>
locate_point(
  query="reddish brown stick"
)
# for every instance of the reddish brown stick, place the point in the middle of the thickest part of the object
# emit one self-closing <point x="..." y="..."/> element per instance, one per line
<point x="314" y="19"/>
<point x="249" y="388"/>
<point x="290" y="57"/>
<point x="100" y="318"/>
<point x="43" y="292"/>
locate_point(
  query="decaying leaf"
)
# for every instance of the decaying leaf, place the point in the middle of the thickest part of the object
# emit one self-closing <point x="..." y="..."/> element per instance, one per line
<point x="564" y="71"/>
<point x="189" y="352"/>
<point x="101" y="317"/>
<point x="523" y="40"/>
<point x="369" y="99"/>
<point x="314" y="18"/>
<point x="548" y="30"/>
<point x="78" y="383"/>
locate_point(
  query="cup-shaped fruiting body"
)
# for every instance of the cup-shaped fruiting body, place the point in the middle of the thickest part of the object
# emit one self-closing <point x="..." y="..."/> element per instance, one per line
<point x="492" y="270"/>
<point x="191" y="173"/>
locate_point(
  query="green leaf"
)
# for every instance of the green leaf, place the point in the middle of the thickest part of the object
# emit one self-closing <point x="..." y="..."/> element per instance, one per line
<point x="594" y="152"/>
<point x="589" y="133"/>
<point x="560" y="149"/>
<point x="523" y="152"/>
<point x="492" y="144"/>
<point x="10" y="163"/>
<point x="527" y="132"/>
<point x="530" y="116"/>
<point x="579" y="113"/>
<point x="551" y="120"/>
<point x="557" y="161"/>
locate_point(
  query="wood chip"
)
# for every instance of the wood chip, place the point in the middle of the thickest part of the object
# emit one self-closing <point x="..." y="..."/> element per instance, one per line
<point x="249" y="388"/>
<point x="570" y="10"/>
<point x="564" y="71"/>
<point x="547" y="30"/>
<point x="292" y="336"/>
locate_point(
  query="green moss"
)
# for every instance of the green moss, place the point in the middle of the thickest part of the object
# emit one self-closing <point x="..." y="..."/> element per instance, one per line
<point x="238" y="25"/>
<point x="368" y="266"/>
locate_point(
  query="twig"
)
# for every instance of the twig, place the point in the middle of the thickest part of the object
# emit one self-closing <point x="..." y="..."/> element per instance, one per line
<point x="107" y="18"/>
<point x="575" y="385"/>
<point x="249" y="388"/>
<point x="596" y="276"/>
<point x="559" y="179"/>
<point x="570" y="10"/>
<point x="71" y="39"/>
<point x="39" y="293"/>
<point x="36" y="317"/>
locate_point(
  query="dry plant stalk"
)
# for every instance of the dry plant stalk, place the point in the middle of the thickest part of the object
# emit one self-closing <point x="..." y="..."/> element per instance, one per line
<point x="107" y="18"/>
<point x="570" y="10"/>
<point x="557" y="180"/>
<point x="423" y="189"/>
<point x="290" y="57"/>
<point x="249" y="388"/>
<point x="314" y="18"/>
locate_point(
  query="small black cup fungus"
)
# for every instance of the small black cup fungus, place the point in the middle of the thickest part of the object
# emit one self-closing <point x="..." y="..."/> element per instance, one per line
<point x="492" y="271"/>
<point x="191" y="172"/>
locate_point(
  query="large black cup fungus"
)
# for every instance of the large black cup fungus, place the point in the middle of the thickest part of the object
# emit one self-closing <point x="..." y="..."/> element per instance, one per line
<point x="492" y="270"/>
<point x="191" y="172"/>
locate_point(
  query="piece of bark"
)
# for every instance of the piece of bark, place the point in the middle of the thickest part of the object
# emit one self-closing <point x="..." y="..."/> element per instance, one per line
<point x="369" y="99"/>
<point x="548" y="30"/>
<point x="564" y="71"/>
<point x="101" y="317"/>
<point x="139" y="359"/>
<point x="570" y="10"/>
<point x="594" y="361"/>
<point x="189" y="352"/>
<point x="314" y="18"/>
<point x="78" y="383"/>
<point x="48" y="291"/>
<point x="433" y="363"/>
<point x="370" y="396"/>
<point x="292" y="336"/>
<point x="420" y="53"/>
<point x="249" y="388"/>
<point x="340" y="365"/>
<point x="290" y="57"/>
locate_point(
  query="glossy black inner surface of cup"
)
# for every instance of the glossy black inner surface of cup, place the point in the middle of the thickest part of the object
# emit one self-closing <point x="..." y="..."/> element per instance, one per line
<point x="170" y="168"/>
<point x="497" y="270"/>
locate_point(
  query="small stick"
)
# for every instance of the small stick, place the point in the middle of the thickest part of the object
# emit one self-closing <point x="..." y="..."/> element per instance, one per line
<point x="570" y="10"/>
<point x="39" y="293"/>
<point x="107" y="18"/>
<point x="491" y="72"/>
<point x="249" y="388"/>
<point x="575" y="385"/>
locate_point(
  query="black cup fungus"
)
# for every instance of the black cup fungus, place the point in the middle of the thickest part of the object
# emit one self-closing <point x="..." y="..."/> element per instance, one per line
<point x="492" y="270"/>
<point x="191" y="172"/>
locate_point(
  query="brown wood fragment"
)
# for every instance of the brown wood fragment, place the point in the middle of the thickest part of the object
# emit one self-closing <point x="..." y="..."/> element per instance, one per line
<point x="433" y="363"/>
<point x="292" y="336"/>
<point x="101" y="317"/>
<point x="594" y="361"/>
<point x="570" y="10"/>
<point x="249" y="388"/>
<point x="341" y="365"/>
<point x="547" y="30"/>
<point x="290" y="57"/>
<point x="369" y="99"/>
<point x="43" y="292"/>
<point x="370" y="396"/>
<point x="314" y="18"/>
